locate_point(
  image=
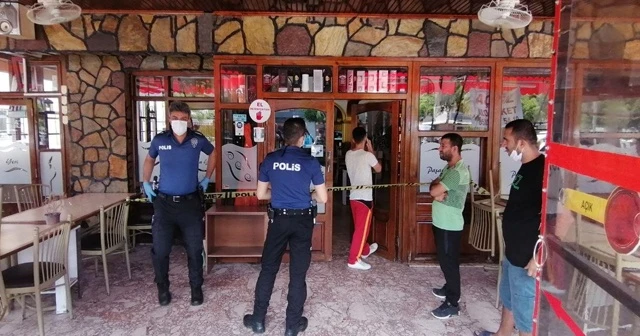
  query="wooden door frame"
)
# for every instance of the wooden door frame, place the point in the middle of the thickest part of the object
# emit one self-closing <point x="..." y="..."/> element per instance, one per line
<point x="394" y="108"/>
<point x="270" y="131"/>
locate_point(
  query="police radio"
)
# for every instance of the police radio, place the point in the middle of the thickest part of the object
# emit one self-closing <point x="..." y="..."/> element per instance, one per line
<point x="155" y="184"/>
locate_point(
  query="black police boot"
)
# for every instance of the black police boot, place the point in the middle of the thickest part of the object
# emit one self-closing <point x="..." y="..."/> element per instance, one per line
<point x="302" y="326"/>
<point x="196" y="296"/>
<point x="250" y="322"/>
<point x="164" y="296"/>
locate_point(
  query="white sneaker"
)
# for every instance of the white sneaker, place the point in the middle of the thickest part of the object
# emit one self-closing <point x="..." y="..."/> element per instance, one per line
<point x="360" y="265"/>
<point x="372" y="248"/>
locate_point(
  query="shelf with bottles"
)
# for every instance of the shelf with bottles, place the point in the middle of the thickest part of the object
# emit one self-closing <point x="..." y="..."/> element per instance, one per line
<point x="313" y="79"/>
<point x="238" y="84"/>
<point x="378" y="80"/>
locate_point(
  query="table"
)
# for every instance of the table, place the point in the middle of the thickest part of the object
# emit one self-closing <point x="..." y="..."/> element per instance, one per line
<point x="17" y="237"/>
<point x="80" y="207"/>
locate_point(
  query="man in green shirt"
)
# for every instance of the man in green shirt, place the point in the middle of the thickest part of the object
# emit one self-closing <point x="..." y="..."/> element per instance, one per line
<point x="449" y="192"/>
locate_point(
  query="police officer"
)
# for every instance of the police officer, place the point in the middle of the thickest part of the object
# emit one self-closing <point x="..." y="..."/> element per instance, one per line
<point x="177" y="201"/>
<point x="285" y="178"/>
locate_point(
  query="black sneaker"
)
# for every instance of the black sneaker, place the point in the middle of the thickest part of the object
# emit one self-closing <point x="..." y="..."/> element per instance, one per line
<point x="445" y="311"/>
<point x="440" y="293"/>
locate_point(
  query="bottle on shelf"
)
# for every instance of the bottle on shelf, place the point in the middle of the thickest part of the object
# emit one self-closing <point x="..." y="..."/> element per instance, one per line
<point x="283" y="80"/>
<point x="266" y="81"/>
<point x="342" y="81"/>
<point x="326" y="86"/>
<point x="402" y="81"/>
<point x="393" y="81"/>
<point x="304" y="86"/>
<point x="297" y="82"/>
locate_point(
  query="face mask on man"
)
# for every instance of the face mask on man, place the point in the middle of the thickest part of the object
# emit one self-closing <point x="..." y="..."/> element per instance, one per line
<point x="517" y="157"/>
<point x="179" y="127"/>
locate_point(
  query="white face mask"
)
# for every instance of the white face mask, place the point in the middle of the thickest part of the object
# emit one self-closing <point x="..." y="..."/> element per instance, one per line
<point x="517" y="157"/>
<point x="179" y="127"/>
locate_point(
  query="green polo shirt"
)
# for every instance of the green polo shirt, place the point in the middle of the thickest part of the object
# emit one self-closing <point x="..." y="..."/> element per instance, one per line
<point x="447" y="215"/>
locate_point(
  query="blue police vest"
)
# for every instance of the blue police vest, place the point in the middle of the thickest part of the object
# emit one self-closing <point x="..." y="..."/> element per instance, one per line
<point x="179" y="161"/>
<point x="291" y="171"/>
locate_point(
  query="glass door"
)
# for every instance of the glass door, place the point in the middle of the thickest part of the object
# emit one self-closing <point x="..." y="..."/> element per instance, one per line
<point x="17" y="147"/>
<point x="381" y="122"/>
<point x="318" y="115"/>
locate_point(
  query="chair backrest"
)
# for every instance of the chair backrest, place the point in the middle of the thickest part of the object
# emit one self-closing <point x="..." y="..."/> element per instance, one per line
<point x="31" y="196"/>
<point x="113" y="225"/>
<point x="50" y="254"/>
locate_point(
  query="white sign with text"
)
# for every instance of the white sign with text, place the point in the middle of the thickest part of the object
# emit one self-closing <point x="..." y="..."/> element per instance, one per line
<point x="431" y="165"/>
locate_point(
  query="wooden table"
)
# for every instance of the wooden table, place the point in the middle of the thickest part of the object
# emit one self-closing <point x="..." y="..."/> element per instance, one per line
<point x="80" y="207"/>
<point x="17" y="237"/>
<point x="235" y="232"/>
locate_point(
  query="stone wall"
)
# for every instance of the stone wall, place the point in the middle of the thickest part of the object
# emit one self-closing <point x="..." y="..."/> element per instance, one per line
<point x="122" y="33"/>
<point x="599" y="40"/>
<point x="322" y="36"/>
<point x="288" y="36"/>
<point x="100" y="116"/>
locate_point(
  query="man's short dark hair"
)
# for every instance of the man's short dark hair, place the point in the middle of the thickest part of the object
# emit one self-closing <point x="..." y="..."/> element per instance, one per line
<point x="293" y="129"/>
<point x="522" y="129"/>
<point x="455" y="139"/>
<point x="179" y="106"/>
<point x="359" y="134"/>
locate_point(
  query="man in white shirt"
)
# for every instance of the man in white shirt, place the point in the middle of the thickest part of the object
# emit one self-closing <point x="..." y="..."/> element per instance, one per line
<point x="360" y="159"/>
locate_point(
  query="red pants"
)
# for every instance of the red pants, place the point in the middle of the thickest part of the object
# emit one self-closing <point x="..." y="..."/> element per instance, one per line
<point x="362" y="222"/>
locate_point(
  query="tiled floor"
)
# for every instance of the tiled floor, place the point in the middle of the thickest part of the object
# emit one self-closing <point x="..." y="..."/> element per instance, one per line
<point x="390" y="299"/>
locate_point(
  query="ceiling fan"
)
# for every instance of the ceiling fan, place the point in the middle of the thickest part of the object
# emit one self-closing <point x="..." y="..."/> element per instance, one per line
<point x="509" y="14"/>
<point x="50" y="12"/>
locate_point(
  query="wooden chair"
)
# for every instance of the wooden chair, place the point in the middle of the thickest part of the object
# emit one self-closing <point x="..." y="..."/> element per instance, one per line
<point x="50" y="263"/>
<point x="111" y="239"/>
<point x="483" y="222"/>
<point x="31" y="196"/>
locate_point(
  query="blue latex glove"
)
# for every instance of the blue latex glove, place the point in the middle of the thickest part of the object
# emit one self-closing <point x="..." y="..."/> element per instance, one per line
<point x="204" y="184"/>
<point x="148" y="190"/>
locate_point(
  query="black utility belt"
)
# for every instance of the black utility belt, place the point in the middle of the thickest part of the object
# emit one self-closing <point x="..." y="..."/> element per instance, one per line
<point x="312" y="211"/>
<point x="178" y="198"/>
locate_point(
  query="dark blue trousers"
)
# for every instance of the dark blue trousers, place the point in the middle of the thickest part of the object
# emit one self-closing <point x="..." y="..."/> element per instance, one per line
<point x="296" y="231"/>
<point x="186" y="215"/>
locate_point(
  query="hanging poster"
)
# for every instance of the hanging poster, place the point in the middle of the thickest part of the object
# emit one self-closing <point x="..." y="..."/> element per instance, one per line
<point x="511" y="106"/>
<point x="479" y="108"/>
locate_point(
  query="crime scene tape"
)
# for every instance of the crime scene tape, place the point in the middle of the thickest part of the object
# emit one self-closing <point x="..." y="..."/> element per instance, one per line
<point x="619" y="214"/>
<point x="250" y="193"/>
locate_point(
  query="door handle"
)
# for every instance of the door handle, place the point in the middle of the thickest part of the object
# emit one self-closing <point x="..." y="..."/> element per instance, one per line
<point x="329" y="161"/>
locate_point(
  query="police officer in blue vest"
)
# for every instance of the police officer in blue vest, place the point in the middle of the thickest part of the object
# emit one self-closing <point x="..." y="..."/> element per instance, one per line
<point x="177" y="202"/>
<point x="285" y="178"/>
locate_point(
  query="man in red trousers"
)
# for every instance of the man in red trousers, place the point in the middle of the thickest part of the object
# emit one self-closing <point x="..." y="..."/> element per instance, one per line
<point x="360" y="160"/>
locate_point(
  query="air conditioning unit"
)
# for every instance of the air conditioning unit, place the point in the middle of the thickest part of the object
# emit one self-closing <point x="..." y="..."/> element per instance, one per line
<point x="14" y="22"/>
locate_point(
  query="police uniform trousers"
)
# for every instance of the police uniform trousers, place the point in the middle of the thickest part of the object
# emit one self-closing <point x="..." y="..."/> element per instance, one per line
<point x="296" y="231"/>
<point x="185" y="213"/>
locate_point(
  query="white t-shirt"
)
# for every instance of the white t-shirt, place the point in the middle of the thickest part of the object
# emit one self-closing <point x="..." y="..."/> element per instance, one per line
<point x="359" y="163"/>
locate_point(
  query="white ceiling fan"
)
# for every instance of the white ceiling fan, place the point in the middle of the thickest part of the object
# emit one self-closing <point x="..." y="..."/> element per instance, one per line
<point x="50" y="12"/>
<point x="509" y="14"/>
